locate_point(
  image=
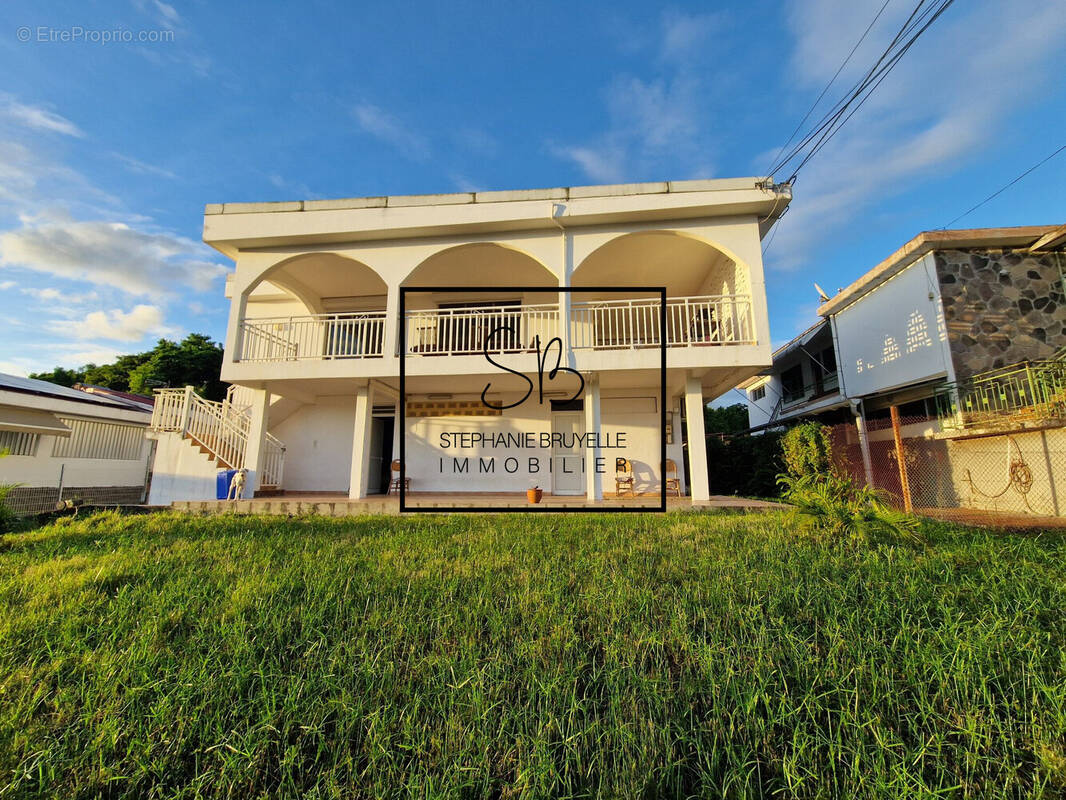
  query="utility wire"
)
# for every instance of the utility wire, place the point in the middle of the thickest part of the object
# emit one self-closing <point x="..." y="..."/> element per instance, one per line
<point x="828" y="136"/>
<point x="916" y="24"/>
<point x="834" y="113"/>
<point x="1004" y="188"/>
<point x="836" y="74"/>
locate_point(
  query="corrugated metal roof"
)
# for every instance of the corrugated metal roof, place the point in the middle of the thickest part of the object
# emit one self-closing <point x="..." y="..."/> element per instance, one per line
<point x="17" y="383"/>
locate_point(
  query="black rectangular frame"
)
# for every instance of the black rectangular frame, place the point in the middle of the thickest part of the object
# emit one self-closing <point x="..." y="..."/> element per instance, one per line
<point x="537" y="509"/>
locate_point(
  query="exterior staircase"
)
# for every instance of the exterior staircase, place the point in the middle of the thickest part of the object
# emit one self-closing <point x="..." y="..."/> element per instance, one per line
<point x="218" y="429"/>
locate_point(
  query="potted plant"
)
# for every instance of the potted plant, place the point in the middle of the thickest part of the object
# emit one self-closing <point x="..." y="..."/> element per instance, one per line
<point x="535" y="494"/>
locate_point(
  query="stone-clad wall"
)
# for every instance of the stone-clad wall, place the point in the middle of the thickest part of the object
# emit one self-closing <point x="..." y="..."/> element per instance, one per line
<point x="1001" y="307"/>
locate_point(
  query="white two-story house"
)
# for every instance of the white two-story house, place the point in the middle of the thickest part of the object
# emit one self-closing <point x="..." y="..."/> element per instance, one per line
<point x="316" y="337"/>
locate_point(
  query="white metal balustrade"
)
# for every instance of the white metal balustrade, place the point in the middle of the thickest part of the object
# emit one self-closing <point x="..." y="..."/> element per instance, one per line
<point x="465" y="331"/>
<point x="599" y="325"/>
<point x="217" y="427"/>
<point x="319" y="336"/>
<point x="690" y="322"/>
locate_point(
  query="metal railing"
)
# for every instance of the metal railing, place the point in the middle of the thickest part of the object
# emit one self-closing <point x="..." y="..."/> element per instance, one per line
<point x="219" y="428"/>
<point x="602" y="325"/>
<point x="319" y="336"/>
<point x="690" y="322"/>
<point x="1027" y="392"/>
<point x="463" y="331"/>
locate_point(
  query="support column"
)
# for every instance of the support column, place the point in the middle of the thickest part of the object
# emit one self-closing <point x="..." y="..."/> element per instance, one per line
<point x="360" y="477"/>
<point x="696" y="438"/>
<point x="593" y="479"/>
<point x="235" y="325"/>
<point x="257" y="428"/>
<point x="391" y="343"/>
<point x="901" y="459"/>
<point x="864" y="445"/>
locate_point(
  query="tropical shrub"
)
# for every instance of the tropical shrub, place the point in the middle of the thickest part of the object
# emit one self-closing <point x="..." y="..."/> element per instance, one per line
<point x="7" y="516"/>
<point x="807" y="449"/>
<point x="834" y="507"/>
<point x="829" y="503"/>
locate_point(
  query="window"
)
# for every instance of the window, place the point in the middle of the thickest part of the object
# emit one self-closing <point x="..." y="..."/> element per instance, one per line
<point x="792" y="384"/>
<point x="106" y="440"/>
<point x="15" y="443"/>
<point x="757" y="394"/>
<point x="828" y="357"/>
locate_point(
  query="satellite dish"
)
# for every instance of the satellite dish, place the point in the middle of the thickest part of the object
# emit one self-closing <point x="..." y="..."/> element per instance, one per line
<point x="821" y="293"/>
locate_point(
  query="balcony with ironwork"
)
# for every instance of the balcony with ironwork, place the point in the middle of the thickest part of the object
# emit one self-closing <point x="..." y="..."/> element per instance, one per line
<point x="1024" y="396"/>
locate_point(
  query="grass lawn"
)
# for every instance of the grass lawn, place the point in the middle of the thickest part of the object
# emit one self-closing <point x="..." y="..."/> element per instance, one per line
<point x="527" y="656"/>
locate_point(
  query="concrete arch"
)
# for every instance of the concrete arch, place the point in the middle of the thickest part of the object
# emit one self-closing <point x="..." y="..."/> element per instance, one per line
<point x="313" y="278"/>
<point x="481" y="264"/>
<point x="688" y="264"/>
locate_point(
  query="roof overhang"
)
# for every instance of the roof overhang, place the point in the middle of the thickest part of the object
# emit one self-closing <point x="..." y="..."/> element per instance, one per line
<point x="30" y="420"/>
<point x="231" y="227"/>
<point x="926" y="242"/>
<point x="1052" y="240"/>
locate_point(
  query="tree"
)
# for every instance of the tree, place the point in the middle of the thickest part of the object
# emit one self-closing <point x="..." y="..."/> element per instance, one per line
<point x="727" y="419"/>
<point x="196" y="361"/>
<point x="60" y="376"/>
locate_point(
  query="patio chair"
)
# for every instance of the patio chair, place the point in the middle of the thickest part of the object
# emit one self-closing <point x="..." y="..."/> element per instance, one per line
<point x="673" y="483"/>
<point x="623" y="476"/>
<point x="395" y="482"/>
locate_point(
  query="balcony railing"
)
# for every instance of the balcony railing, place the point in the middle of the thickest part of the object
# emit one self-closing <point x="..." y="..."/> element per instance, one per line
<point x="690" y="321"/>
<point x="463" y="331"/>
<point x="712" y="320"/>
<point x="322" y="337"/>
<point x="1016" y="395"/>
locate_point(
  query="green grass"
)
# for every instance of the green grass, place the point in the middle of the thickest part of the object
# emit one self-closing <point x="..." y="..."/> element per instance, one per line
<point x="526" y="656"/>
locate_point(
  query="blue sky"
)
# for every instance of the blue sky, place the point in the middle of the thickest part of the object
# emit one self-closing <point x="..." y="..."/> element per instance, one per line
<point x="109" y="151"/>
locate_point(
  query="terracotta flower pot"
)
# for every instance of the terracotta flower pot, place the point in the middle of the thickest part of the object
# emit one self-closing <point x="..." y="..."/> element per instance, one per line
<point x="534" y="495"/>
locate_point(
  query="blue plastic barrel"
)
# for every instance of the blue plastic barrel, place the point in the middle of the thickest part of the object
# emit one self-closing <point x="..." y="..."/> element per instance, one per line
<point x="222" y="483"/>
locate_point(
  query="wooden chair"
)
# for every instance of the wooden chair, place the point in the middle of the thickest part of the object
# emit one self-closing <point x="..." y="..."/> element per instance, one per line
<point x="395" y="482"/>
<point x="623" y="476"/>
<point x="673" y="483"/>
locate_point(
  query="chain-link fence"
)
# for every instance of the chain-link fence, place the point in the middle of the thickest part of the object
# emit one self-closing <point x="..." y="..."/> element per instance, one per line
<point x="1010" y="477"/>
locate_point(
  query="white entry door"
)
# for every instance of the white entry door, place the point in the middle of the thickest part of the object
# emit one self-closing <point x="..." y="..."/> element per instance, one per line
<point x="567" y="476"/>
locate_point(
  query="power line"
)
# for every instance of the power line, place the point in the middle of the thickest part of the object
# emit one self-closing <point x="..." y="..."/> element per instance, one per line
<point x="1004" y="188"/>
<point x="830" y="117"/>
<point x="827" y="127"/>
<point x="836" y="74"/>
<point x="883" y="73"/>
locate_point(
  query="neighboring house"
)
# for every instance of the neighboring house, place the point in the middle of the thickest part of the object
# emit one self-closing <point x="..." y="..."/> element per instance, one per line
<point x="963" y="332"/>
<point x="72" y="444"/>
<point x="313" y="341"/>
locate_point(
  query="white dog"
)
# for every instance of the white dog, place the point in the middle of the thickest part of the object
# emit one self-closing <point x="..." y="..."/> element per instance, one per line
<point x="236" y="486"/>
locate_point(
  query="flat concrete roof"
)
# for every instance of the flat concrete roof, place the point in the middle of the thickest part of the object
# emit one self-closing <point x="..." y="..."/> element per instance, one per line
<point x="463" y="198"/>
<point x="926" y="242"/>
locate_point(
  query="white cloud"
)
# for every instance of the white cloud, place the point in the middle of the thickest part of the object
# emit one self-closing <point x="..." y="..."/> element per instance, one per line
<point x="37" y="118"/>
<point x="5" y="285"/>
<point x="382" y="125"/>
<point x="924" y="120"/>
<point x="116" y="325"/>
<point x="167" y="12"/>
<point x="110" y="254"/>
<point x="144" y="168"/>
<point x="653" y="121"/>
<point x="602" y="165"/>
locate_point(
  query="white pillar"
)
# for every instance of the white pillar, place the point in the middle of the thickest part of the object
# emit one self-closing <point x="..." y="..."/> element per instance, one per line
<point x="697" y="441"/>
<point x="360" y="478"/>
<point x="391" y="344"/>
<point x="864" y="444"/>
<point x="593" y="479"/>
<point x="257" y="429"/>
<point x="234" y="327"/>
